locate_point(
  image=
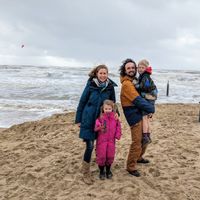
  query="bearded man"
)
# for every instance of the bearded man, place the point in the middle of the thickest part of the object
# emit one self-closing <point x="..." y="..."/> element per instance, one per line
<point x="133" y="105"/>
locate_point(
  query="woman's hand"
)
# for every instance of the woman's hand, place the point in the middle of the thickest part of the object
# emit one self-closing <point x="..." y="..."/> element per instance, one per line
<point x="78" y="124"/>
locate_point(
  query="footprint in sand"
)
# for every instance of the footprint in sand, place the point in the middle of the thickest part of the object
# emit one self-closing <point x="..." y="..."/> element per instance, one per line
<point x="154" y="172"/>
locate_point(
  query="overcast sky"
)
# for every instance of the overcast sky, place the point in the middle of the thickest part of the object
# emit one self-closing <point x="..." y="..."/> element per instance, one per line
<point x="88" y="32"/>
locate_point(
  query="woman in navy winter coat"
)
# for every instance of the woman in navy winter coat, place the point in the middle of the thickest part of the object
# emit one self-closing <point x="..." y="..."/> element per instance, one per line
<point x="98" y="88"/>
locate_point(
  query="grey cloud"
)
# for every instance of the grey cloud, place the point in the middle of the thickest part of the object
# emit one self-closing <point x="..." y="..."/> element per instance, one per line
<point x="94" y="30"/>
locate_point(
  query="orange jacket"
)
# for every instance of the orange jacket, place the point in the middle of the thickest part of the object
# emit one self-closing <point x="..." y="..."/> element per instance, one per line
<point x="132" y="103"/>
<point x="128" y="91"/>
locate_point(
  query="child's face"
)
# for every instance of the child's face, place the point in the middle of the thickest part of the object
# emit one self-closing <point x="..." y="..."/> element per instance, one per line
<point x="107" y="108"/>
<point x="102" y="75"/>
<point x="141" y="69"/>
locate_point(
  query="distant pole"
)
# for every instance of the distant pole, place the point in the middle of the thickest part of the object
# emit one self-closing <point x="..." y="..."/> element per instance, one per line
<point x="167" y="93"/>
<point x="199" y="113"/>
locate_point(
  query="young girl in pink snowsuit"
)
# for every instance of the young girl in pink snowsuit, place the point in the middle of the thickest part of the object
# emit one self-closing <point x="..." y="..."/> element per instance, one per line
<point x="109" y="129"/>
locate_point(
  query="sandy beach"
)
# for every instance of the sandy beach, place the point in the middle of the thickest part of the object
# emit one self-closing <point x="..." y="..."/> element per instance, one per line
<point x="41" y="160"/>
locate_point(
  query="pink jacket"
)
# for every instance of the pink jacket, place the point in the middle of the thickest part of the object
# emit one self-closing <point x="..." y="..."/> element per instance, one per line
<point x="105" y="145"/>
<point x="112" y="127"/>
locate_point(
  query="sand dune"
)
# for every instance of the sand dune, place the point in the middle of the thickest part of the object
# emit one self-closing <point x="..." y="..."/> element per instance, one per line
<point x="41" y="160"/>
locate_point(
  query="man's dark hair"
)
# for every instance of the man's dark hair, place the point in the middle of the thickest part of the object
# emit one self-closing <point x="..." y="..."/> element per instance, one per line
<point x="122" y="67"/>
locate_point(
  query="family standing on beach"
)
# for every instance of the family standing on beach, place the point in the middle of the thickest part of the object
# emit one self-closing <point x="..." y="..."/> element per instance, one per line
<point x="98" y="116"/>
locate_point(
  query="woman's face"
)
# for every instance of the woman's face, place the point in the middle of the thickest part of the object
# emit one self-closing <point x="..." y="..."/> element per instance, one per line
<point x="102" y="75"/>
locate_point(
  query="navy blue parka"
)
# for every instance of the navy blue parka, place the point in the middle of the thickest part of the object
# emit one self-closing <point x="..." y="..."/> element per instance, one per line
<point x="88" y="109"/>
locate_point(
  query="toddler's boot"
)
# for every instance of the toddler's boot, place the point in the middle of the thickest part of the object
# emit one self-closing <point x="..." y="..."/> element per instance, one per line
<point x="145" y="139"/>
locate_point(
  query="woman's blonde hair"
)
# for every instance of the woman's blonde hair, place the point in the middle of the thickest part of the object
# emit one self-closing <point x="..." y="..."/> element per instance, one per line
<point x="94" y="71"/>
<point x="143" y="62"/>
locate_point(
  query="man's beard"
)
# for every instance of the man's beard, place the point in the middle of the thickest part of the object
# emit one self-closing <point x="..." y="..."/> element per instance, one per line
<point x="132" y="75"/>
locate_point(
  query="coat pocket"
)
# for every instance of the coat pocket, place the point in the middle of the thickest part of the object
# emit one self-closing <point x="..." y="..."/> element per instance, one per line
<point x="88" y="117"/>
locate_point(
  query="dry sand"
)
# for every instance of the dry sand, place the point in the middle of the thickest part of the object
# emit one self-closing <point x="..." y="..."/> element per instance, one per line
<point x="41" y="160"/>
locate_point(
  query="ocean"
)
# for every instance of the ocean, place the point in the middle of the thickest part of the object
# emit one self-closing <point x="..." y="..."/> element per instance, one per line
<point x="30" y="93"/>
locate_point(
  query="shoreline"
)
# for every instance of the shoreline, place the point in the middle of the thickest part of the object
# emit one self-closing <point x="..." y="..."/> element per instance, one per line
<point x="2" y="129"/>
<point x="73" y="111"/>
